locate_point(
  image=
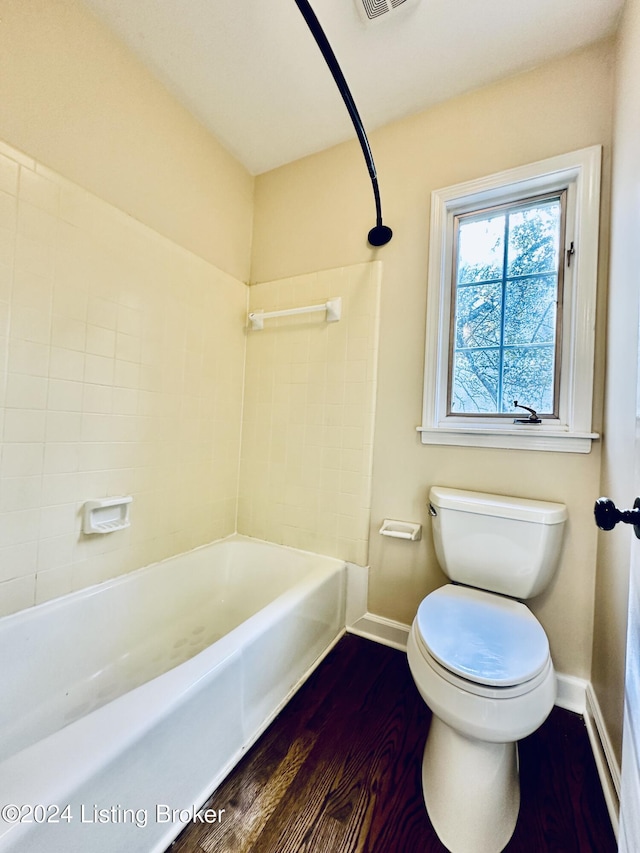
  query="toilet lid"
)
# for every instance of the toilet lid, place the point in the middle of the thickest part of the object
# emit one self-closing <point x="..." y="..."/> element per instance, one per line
<point x="482" y="636"/>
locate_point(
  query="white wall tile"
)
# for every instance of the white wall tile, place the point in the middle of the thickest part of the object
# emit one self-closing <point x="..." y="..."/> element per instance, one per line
<point x="102" y="312"/>
<point x="126" y="372"/>
<point x="61" y="458"/>
<point x="28" y="357"/>
<point x="5" y="314"/>
<point x="19" y="527"/>
<point x="64" y="396"/>
<point x="20" y="493"/>
<point x="8" y="175"/>
<point x="30" y="323"/>
<point x="308" y="416"/>
<point x="66" y="364"/>
<point x="52" y="583"/>
<point x="99" y="370"/>
<point x="68" y="332"/>
<point x="58" y="520"/>
<point x="39" y="191"/>
<point x="24" y="425"/>
<point x="121" y="370"/>
<point x="7" y="243"/>
<point x="21" y="460"/>
<point x="17" y="594"/>
<point x="26" y="392"/>
<point x="63" y="426"/>
<point x="17" y="561"/>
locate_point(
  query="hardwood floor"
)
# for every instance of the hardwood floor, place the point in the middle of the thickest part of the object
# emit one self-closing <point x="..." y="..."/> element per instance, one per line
<point x="338" y="771"/>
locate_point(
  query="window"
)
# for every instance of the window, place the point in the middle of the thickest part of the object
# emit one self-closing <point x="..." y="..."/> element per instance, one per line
<point x="507" y="285"/>
<point x="511" y="307"/>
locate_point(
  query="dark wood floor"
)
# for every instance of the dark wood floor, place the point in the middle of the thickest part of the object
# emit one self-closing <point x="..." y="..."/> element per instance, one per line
<point x="339" y="771"/>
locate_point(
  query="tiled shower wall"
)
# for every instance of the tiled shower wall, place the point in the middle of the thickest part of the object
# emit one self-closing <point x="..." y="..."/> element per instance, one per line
<point x="305" y="473"/>
<point x="121" y="372"/>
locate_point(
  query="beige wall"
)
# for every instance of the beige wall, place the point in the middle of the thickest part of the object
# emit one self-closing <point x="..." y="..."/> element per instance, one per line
<point x="315" y="214"/>
<point x="73" y="98"/>
<point x="121" y="367"/>
<point x="620" y="401"/>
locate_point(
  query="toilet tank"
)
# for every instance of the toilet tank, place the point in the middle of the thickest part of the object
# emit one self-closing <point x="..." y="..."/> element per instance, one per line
<point x="501" y="544"/>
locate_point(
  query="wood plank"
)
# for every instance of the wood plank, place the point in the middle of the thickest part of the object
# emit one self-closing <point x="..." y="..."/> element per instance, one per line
<point x="339" y="771"/>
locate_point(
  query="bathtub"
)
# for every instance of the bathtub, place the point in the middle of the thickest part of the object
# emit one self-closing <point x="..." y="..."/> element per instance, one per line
<point x="124" y="705"/>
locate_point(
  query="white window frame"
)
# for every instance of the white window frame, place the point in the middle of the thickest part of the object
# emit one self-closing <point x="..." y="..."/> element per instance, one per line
<point x="579" y="173"/>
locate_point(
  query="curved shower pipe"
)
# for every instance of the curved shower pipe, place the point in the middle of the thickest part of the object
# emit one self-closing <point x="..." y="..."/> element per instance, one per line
<point x="380" y="234"/>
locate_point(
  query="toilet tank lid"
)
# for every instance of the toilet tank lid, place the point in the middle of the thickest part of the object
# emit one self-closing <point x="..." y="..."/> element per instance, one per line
<point x="503" y="506"/>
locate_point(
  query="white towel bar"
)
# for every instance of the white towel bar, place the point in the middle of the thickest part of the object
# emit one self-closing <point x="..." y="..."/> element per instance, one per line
<point x="332" y="306"/>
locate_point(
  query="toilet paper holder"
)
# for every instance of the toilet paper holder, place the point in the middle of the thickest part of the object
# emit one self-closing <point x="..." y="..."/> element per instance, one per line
<point x="401" y="530"/>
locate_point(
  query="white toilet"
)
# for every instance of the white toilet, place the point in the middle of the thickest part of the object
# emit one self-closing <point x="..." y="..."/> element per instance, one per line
<point x="481" y="661"/>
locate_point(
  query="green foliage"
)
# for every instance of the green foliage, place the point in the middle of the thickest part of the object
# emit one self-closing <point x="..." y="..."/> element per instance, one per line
<point x="505" y="320"/>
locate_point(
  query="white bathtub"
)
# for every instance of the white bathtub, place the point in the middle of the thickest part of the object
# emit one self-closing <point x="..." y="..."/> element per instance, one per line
<point x="125" y="703"/>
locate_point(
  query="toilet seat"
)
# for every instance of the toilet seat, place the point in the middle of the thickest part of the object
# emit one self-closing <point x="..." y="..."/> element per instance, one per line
<point x="482" y="642"/>
<point x="473" y="687"/>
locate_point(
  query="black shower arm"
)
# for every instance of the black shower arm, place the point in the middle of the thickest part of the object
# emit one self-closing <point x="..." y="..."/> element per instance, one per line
<point x="379" y="235"/>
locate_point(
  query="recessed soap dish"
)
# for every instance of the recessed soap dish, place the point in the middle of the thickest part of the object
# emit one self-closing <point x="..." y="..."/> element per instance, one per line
<point x="106" y="515"/>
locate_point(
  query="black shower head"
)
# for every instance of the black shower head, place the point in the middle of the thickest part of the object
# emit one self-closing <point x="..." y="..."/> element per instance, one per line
<point x="379" y="235"/>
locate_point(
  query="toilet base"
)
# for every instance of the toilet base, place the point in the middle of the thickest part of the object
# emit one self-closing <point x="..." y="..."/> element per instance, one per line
<point x="471" y="790"/>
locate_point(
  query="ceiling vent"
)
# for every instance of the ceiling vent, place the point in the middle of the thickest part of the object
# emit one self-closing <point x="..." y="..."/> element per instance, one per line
<point x="376" y="10"/>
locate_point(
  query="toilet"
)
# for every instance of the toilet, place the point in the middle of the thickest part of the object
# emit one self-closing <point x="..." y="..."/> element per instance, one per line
<point x="480" y="659"/>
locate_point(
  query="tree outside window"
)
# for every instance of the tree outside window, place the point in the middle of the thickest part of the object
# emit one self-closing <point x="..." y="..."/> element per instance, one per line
<point x="505" y="342"/>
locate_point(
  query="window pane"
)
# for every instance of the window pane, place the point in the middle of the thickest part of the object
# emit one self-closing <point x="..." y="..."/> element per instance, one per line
<point x="534" y="239"/>
<point x="528" y="378"/>
<point x="481" y="248"/>
<point x="475" y="383"/>
<point x="530" y="311"/>
<point x="479" y="315"/>
<point x="502" y="309"/>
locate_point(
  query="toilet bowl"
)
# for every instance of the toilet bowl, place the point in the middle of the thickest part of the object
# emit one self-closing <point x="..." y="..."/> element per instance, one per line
<point x="481" y="662"/>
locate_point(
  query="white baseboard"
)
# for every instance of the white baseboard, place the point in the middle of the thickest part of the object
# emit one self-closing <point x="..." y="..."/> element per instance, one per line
<point x="578" y="695"/>
<point x="605" y="758"/>
<point x="574" y="694"/>
<point x="381" y="630"/>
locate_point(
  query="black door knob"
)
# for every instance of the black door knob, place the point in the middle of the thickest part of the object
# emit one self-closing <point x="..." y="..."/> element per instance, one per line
<point x="607" y="515"/>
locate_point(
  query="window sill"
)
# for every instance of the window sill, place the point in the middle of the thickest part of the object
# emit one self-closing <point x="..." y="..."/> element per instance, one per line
<point x="521" y="438"/>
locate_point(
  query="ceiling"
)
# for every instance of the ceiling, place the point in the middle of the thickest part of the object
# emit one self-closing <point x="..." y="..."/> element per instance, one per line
<point x="250" y="71"/>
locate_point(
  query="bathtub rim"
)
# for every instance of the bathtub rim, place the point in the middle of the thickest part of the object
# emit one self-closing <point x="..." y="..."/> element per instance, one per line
<point x="35" y="769"/>
<point x="93" y="589"/>
<point x="172" y="833"/>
